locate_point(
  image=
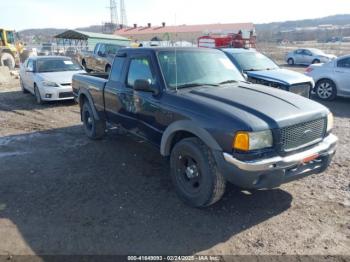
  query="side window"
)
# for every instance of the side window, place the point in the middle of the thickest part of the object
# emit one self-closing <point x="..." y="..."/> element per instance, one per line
<point x="299" y="52"/>
<point x="102" y="49"/>
<point x="140" y="68"/>
<point x="307" y="52"/>
<point x="30" y="65"/>
<point x="345" y="63"/>
<point x="117" y="68"/>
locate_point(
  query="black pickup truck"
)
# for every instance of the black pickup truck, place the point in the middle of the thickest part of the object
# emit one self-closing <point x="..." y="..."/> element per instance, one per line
<point x="214" y="126"/>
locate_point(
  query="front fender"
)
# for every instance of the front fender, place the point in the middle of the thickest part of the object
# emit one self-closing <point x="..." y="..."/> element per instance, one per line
<point x="187" y="126"/>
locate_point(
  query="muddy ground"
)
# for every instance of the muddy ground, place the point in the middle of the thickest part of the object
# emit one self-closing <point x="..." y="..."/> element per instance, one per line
<point x="61" y="193"/>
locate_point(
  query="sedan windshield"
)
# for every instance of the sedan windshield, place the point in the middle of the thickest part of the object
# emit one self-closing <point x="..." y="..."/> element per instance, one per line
<point x="254" y="61"/>
<point x="183" y="68"/>
<point x="56" y="65"/>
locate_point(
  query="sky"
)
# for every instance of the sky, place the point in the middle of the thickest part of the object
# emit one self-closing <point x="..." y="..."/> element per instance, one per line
<point x="24" y="14"/>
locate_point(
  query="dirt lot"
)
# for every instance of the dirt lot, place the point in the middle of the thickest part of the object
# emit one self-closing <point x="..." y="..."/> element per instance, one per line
<point x="63" y="194"/>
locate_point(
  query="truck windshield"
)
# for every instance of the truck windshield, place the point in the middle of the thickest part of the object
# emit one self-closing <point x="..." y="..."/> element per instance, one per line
<point x="56" y="65"/>
<point x="254" y="61"/>
<point x="195" y="68"/>
<point x="112" y="49"/>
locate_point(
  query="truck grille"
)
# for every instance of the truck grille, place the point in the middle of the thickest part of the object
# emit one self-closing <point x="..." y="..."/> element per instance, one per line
<point x="302" y="135"/>
<point x="301" y="89"/>
<point x="66" y="94"/>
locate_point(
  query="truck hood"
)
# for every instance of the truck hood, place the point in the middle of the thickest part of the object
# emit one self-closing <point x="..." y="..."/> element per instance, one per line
<point x="260" y="107"/>
<point x="281" y="76"/>
<point x="59" y="77"/>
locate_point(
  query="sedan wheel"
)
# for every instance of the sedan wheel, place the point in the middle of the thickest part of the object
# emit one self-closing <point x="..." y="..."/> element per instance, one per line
<point x="326" y="90"/>
<point x="290" y="61"/>
<point x="38" y="99"/>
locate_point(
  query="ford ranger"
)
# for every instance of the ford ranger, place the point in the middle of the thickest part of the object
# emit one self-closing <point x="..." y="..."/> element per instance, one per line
<point x="215" y="127"/>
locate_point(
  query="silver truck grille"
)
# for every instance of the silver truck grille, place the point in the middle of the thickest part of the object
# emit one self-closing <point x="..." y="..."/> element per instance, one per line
<point x="301" y="89"/>
<point x="302" y="135"/>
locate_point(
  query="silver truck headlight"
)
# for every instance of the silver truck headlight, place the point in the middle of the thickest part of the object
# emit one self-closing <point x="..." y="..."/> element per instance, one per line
<point x="330" y="122"/>
<point x="49" y="83"/>
<point x="248" y="141"/>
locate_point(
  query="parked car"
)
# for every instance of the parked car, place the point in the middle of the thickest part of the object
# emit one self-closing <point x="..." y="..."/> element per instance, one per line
<point x="260" y="69"/>
<point x="307" y="56"/>
<point x="197" y="108"/>
<point x="332" y="79"/>
<point x="101" y="59"/>
<point x="49" y="78"/>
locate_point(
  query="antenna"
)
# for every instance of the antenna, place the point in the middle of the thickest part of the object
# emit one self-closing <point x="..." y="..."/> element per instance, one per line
<point x="176" y="83"/>
<point x="124" y="20"/>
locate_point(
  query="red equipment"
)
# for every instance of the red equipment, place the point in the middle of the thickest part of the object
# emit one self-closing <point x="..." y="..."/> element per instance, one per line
<point x="228" y="40"/>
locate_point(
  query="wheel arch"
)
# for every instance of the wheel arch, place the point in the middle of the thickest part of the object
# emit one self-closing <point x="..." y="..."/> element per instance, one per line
<point x="183" y="129"/>
<point x="83" y="96"/>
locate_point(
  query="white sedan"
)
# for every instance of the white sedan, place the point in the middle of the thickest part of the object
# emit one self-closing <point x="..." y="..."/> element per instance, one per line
<point x="332" y="79"/>
<point x="49" y="78"/>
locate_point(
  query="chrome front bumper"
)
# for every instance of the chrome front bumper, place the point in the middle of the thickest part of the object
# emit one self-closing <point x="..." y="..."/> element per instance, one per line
<point x="324" y="148"/>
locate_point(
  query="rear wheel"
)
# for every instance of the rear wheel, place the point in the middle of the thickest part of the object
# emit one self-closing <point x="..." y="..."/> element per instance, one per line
<point x="108" y="69"/>
<point x="316" y="61"/>
<point x="290" y="61"/>
<point x="194" y="173"/>
<point x="83" y="63"/>
<point x="326" y="90"/>
<point x="6" y="59"/>
<point x="94" y="128"/>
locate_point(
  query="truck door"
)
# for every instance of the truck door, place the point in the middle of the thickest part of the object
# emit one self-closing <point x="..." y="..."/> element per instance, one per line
<point x="99" y="58"/>
<point x="119" y="103"/>
<point x="146" y="105"/>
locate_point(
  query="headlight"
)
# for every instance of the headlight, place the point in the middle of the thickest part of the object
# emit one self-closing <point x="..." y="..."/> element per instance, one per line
<point x="247" y="141"/>
<point x="330" y="122"/>
<point x="49" y="83"/>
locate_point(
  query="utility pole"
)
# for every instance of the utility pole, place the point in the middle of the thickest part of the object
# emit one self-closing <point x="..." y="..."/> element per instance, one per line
<point x="114" y="12"/>
<point x="124" y="21"/>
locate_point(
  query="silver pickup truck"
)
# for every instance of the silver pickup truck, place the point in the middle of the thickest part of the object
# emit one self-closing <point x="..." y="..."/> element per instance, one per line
<point x="101" y="59"/>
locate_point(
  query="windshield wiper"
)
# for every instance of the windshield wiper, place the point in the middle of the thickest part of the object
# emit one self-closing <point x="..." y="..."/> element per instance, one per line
<point x="228" y="82"/>
<point x="194" y="85"/>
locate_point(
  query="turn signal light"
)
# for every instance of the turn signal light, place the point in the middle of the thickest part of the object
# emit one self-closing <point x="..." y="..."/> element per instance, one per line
<point x="241" y="141"/>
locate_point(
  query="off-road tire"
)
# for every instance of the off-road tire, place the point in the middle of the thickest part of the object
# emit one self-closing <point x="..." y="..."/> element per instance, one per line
<point x="6" y="59"/>
<point x="212" y="186"/>
<point x="94" y="128"/>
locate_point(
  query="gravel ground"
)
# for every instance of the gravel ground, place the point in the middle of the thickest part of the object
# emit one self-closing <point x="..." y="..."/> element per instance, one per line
<point x="63" y="194"/>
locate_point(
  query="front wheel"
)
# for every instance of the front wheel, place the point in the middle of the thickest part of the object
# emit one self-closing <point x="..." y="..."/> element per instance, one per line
<point x="316" y="61"/>
<point x="194" y="173"/>
<point x="94" y="128"/>
<point x="326" y="90"/>
<point x="24" y="91"/>
<point x="37" y="95"/>
<point x="290" y="61"/>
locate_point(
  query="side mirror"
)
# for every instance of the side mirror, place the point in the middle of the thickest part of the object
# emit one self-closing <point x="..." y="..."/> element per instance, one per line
<point x="145" y="86"/>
